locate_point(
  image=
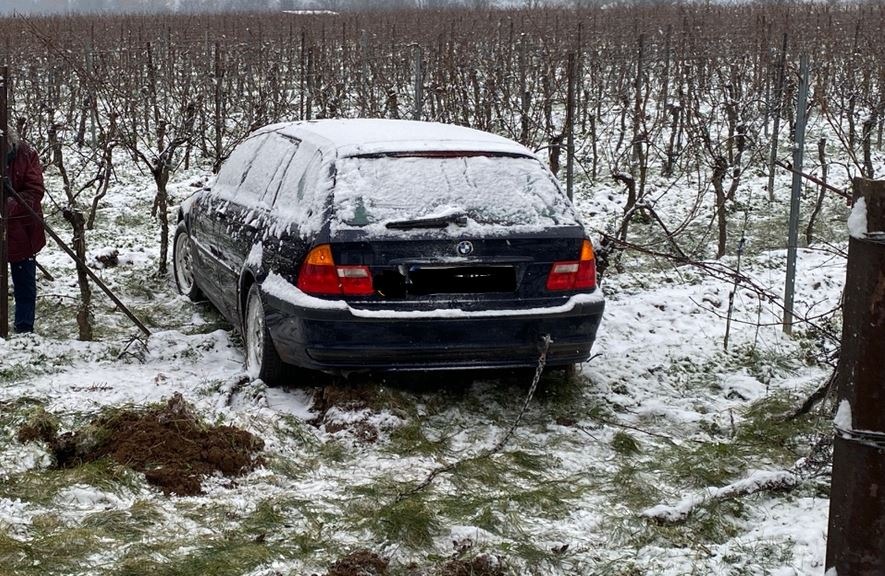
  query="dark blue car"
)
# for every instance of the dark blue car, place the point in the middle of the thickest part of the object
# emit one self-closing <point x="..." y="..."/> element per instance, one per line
<point x="342" y="245"/>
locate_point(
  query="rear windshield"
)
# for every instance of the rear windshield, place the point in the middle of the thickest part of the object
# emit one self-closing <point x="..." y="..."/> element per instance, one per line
<point x="372" y="192"/>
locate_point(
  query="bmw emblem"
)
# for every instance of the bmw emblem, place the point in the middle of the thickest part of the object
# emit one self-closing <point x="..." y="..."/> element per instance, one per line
<point x="465" y="248"/>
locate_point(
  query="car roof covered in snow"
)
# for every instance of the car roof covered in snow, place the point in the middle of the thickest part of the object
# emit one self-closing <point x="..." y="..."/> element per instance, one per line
<point x="356" y="137"/>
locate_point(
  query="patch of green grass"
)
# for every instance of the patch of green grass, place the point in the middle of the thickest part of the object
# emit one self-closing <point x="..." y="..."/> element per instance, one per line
<point x="332" y="451"/>
<point x="746" y="558"/>
<point x="38" y="362"/>
<point x="411" y="522"/>
<point x="129" y="524"/>
<point x="763" y="437"/>
<point x="144" y="287"/>
<point x="692" y="374"/>
<point x="712" y="523"/>
<point x="632" y="487"/>
<point x="213" y="321"/>
<point x="547" y="499"/>
<point x="625" y="444"/>
<point x="762" y="363"/>
<point x="14" y="412"/>
<point x="287" y="467"/>
<point x="384" y="488"/>
<point x="563" y="397"/>
<point x="489" y="489"/>
<point x="558" y="388"/>
<point x="15" y="372"/>
<point x="522" y="462"/>
<point x="411" y="440"/>
<point x="702" y="464"/>
<point x="479" y="470"/>
<point x="401" y="402"/>
<point x="129" y="219"/>
<point x="264" y="534"/>
<point x="765" y="432"/>
<point x="474" y="508"/>
<point x="536" y="558"/>
<point x="266" y="518"/>
<point x="56" y="553"/>
<point x="41" y="486"/>
<point x="229" y="555"/>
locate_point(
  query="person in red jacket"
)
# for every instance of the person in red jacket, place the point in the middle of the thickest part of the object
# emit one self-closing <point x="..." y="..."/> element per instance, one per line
<point x="24" y="233"/>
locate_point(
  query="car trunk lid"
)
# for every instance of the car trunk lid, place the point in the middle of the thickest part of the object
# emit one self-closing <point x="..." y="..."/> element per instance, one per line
<point x="468" y="271"/>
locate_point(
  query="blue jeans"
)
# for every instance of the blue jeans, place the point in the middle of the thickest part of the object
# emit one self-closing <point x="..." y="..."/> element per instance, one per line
<point x="24" y="282"/>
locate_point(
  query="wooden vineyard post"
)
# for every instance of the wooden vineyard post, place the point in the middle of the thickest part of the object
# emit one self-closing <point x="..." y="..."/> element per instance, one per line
<point x="857" y="497"/>
<point x="4" y="149"/>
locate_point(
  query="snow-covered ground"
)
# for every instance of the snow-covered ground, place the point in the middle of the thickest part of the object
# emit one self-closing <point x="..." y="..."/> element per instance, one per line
<point x="662" y="415"/>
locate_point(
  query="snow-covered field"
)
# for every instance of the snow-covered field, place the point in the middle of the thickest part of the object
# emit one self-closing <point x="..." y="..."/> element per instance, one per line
<point x="663" y="416"/>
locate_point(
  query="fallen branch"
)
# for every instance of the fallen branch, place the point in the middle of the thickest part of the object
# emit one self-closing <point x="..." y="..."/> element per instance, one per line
<point x="818" y="459"/>
<point x="760" y="481"/>
<point x="816" y="397"/>
<point x="614" y="424"/>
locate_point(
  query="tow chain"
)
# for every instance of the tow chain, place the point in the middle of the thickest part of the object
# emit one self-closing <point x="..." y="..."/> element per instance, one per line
<point x="542" y="362"/>
<point x="539" y="371"/>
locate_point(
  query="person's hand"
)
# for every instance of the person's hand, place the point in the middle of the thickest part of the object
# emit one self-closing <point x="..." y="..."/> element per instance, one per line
<point x="13" y="206"/>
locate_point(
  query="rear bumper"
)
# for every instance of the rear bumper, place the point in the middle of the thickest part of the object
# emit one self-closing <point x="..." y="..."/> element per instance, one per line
<point x="334" y="337"/>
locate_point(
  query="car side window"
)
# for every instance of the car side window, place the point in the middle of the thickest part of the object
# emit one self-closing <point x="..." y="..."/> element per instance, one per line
<point x="290" y="147"/>
<point x="291" y="190"/>
<point x="266" y="171"/>
<point x="307" y="185"/>
<point x="235" y="169"/>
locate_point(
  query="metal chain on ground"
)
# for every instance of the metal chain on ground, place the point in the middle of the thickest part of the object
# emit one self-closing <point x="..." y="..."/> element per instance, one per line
<point x="542" y="362"/>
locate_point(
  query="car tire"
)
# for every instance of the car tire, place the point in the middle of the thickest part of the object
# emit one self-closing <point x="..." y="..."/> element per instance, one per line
<point x="182" y="264"/>
<point x="262" y="360"/>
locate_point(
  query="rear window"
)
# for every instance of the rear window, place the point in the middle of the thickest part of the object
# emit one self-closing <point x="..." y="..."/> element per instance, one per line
<point x="371" y="192"/>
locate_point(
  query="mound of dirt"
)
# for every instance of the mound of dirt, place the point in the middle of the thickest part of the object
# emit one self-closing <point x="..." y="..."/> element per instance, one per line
<point x="360" y="563"/>
<point x="346" y="398"/>
<point x="478" y="566"/>
<point x="40" y="426"/>
<point x="367" y="563"/>
<point x="168" y="443"/>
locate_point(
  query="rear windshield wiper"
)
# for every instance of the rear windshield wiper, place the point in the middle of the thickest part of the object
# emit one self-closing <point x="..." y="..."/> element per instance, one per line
<point x="431" y="222"/>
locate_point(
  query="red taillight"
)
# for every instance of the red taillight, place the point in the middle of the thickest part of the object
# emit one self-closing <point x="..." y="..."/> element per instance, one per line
<point x="574" y="274"/>
<point x="320" y="275"/>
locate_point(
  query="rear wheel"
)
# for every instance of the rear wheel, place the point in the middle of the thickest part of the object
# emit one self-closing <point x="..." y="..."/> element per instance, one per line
<point x="262" y="360"/>
<point x="182" y="264"/>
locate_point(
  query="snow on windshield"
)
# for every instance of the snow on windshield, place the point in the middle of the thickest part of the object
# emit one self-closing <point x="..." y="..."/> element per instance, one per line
<point x="496" y="191"/>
